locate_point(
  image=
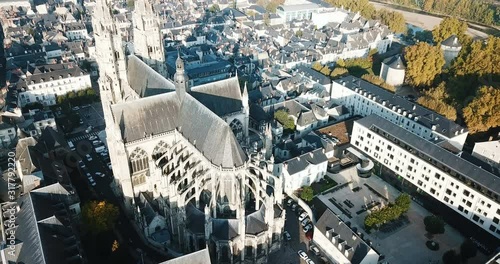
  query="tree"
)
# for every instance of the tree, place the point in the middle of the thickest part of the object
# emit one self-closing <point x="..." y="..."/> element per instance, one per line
<point x="299" y="33"/>
<point x="451" y="257"/>
<point x="468" y="249"/>
<point x="115" y="246"/>
<point x="449" y="26"/>
<point x="403" y="202"/>
<point x="434" y="224"/>
<point x="393" y="19"/>
<point x="366" y="9"/>
<point x="482" y="113"/>
<point x="214" y="8"/>
<point x="285" y="120"/>
<point x="71" y="95"/>
<point x="99" y="216"/>
<point x="317" y="66"/>
<point x="326" y="70"/>
<point x="427" y="5"/>
<point x="424" y="63"/>
<point x="307" y="194"/>
<point x="371" y="78"/>
<point x="130" y="3"/>
<point x="339" y="72"/>
<point x="481" y="59"/>
<point x="436" y="99"/>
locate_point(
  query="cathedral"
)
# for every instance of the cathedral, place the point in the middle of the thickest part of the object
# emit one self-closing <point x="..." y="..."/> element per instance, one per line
<point x="185" y="149"/>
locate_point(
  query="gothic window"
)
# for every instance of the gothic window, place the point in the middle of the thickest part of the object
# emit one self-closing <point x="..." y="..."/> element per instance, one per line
<point x="237" y="128"/>
<point x="160" y="149"/>
<point x="138" y="161"/>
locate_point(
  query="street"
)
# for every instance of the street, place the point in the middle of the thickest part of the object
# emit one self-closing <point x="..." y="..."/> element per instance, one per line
<point x="102" y="191"/>
<point x="288" y="254"/>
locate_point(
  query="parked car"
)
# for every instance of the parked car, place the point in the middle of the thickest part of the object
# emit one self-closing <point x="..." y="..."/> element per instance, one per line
<point x="76" y="108"/>
<point x="92" y="138"/>
<point x="100" y="174"/>
<point x="309" y="261"/>
<point x="89" y="158"/>
<point x="307" y="228"/>
<point x="305" y="221"/>
<point x="82" y="165"/>
<point x="89" y="176"/>
<point x="302" y="216"/>
<point x="287" y="236"/>
<point x="109" y="166"/>
<point x="294" y="206"/>
<point x="92" y="182"/>
<point x="315" y="250"/>
<point x="302" y="254"/>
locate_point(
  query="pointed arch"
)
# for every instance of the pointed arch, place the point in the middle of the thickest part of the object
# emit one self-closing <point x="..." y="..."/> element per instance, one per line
<point x="138" y="161"/>
<point x="237" y="128"/>
<point x="161" y="148"/>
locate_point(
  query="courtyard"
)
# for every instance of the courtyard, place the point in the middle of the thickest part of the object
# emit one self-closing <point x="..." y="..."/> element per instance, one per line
<point x="400" y="242"/>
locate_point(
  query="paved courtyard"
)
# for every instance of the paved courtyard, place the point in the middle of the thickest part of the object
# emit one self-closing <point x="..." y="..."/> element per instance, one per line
<point x="404" y="244"/>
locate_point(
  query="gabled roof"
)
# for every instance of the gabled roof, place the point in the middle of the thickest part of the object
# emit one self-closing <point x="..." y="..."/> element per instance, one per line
<point x="255" y="222"/>
<point x="356" y="247"/>
<point x="144" y="80"/>
<point x="198" y="124"/>
<point x="225" y="229"/>
<point x="300" y="163"/>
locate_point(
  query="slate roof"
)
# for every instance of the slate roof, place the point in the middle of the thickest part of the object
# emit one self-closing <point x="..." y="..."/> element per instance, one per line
<point x="426" y="117"/>
<point x="255" y="222"/>
<point x="452" y="41"/>
<point x="432" y="151"/>
<point x="395" y="62"/>
<point x="43" y="234"/>
<point x="358" y="249"/>
<point x="300" y="163"/>
<point x="306" y="118"/>
<point x="198" y="257"/>
<point x="195" y="220"/>
<point x="225" y="229"/>
<point x="163" y="113"/>
<point x="144" y="80"/>
<point x="221" y="97"/>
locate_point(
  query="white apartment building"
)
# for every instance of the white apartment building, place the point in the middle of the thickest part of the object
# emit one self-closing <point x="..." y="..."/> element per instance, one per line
<point x="363" y="98"/>
<point x="75" y="31"/>
<point x="466" y="188"/>
<point x="488" y="151"/>
<point x="43" y="83"/>
<point x="303" y="170"/>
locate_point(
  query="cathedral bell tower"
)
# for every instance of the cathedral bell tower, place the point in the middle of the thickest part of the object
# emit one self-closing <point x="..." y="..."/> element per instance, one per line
<point x="181" y="79"/>
<point x="148" y="39"/>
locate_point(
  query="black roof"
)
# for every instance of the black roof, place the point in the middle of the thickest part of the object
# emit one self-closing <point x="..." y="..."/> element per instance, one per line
<point x="426" y="117"/>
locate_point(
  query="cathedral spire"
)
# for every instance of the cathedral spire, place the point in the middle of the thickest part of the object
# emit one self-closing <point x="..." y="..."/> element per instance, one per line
<point x="180" y="78"/>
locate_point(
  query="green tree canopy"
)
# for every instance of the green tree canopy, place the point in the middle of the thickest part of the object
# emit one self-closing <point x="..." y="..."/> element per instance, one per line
<point x="307" y="194"/>
<point x="436" y="99"/>
<point x="365" y="8"/>
<point x="424" y="63"/>
<point x="482" y="58"/>
<point x="482" y="113"/>
<point x="449" y="26"/>
<point x="285" y="120"/>
<point x="371" y="78"/>
<point x="393" y="19"/>
<point x="403" y="201"/>
<point x="326" y="70"/>
<point x="99" y="216"/>
<point x="214" y="8"/>
<point x="434" y="224"/>
<point x="339" y="72"/>
<point x="468" y="249"/>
